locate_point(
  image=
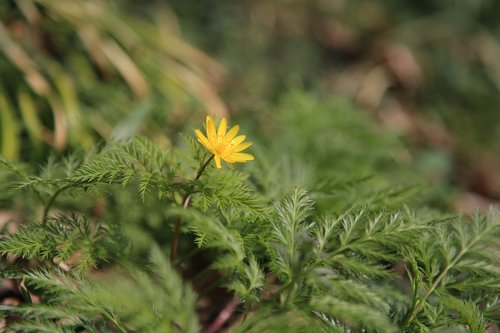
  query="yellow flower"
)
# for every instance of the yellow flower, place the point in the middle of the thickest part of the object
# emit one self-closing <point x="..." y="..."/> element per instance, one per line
<point x="226" y="146"/>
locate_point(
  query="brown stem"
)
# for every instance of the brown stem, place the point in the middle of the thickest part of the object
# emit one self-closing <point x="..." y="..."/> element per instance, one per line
<point x="185" y="203"/>
<point x="223" y="316"/>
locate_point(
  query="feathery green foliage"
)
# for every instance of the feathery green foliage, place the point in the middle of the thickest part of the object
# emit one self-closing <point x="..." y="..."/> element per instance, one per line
<point x="155" y="300"/>
<point x="140" y="160"/>
<point x="59" y="240"/>
<point x="460" y="260"/>
<point x="307" y="252"/>
<point x="229" y="192"/>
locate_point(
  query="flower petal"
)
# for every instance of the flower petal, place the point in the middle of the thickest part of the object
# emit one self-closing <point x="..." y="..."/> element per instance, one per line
<point x="241" y="147"/>
<point x="222" y="128"/>
<point x="202" y="139"/>
<point x="231" y="134"/>
<point x="237" y="140"/>
<point x="217" y="161"/>
<point x="210" y="129"/>
<point x="241" y="157"/>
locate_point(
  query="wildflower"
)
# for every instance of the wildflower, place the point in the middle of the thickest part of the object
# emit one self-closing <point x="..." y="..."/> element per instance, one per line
<point x="224" y="145"/>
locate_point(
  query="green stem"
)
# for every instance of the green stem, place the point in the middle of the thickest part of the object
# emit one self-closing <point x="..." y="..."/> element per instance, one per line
<point x="416" y="286"/>
<point x="188" y="256"/>
<point x="288" y="295"/>
<point x="185" y="203"/>
<point x="115" y="321"/>
<point x="51" y="201"/>
<point x="107" y="314"/>
<point x="418" y="304"/>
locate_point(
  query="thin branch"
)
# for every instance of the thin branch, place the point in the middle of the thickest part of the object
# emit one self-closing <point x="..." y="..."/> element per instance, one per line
<point x="51" y="201"/>
<point x="223" y="316"/>
<point x="185" y="203"/>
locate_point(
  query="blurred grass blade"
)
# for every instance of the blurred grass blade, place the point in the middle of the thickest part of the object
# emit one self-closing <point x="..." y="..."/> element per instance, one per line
<point x="66" y="87"/>
<point x="23" y="62"/>
<point x="30" y="11"/>
<point x="92" y="42"/>
<point x="201" y="89"/>
<point x="60" y="138"/>
<point x="30" y="119"/>
<point x="10" y="130"/>
<point x="127" y="68"/>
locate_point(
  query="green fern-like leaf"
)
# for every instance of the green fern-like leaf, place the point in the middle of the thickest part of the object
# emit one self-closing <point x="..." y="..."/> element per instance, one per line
<point x="460" y="256"/>
<point x="59" y="240"/>
<point x="120" y="163"/>
<point x="227" y="191"/>
<point x="289" y="233"/>
<point x="354" y="315"/>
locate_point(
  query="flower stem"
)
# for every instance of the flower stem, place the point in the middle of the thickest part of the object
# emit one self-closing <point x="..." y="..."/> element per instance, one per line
<point x="185" y="203"/>
<point x="51" y="201"/>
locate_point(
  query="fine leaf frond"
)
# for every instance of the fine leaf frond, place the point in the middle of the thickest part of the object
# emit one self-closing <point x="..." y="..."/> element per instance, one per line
<point x="229" y="192"/>
<point x="354" y="315"/>
<point x="49" y="312"/>
<point x="460" y="256"/>
<point x="469" y="314"/>
<point x="37" y="326"/>
<point x="289" y="233"/>
<point x="61" y="239"/>
<point x="248" y="283"/>
<point x="354" y="292"/>
<point x="363" y="242"/>
<point x="157" y="299"/>
<point x="210" y="232"/>
<point x="120" y="163"/>
<point x="265" y="319"/>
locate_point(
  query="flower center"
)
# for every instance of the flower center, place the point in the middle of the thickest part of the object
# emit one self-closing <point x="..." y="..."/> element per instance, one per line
<point x="219" y="148"/>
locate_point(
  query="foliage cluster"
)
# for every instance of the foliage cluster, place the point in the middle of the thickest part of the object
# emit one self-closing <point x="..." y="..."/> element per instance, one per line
<point x="313" y="236"/>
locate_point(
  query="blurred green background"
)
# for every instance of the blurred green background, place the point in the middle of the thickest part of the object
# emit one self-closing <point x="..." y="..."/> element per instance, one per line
<point x="428" y="72"/>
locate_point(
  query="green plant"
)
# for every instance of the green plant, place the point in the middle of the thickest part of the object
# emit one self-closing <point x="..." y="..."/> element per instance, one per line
<point x="308" y="237"/>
